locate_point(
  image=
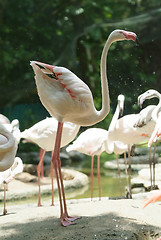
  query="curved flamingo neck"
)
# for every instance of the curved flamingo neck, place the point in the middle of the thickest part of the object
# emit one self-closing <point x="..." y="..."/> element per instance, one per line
<point x="104" y="81"/>
<point x="114" y="119"/>
<point x="157" y="108"/>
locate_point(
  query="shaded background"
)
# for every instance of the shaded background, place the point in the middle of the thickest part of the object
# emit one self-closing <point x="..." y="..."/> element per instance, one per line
<point x="72" y="34"/>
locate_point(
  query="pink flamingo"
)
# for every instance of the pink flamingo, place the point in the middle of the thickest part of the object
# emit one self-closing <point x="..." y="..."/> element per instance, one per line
<point x="69" y="99"/>
<point x="43" y="134"/>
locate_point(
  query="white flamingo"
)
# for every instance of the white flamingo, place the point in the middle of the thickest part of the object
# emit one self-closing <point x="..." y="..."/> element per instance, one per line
<point x="133" y="129"/>
<point x="69" y="99"/>
<point x="8" y="148"/>
<point x="117" y="147"/>
<point x="8" y="175"/>
<point x="43" y="134"/>
<point x="91" y="142"/>
<point x="12" y="127"/>
<point x="150" y="123"/>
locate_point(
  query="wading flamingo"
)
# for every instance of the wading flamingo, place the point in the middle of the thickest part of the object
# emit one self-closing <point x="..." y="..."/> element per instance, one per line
<point x="69" y="99"/>
<point x="43" y="134"/>
<point x="91" y="142"/>
<point x="8" y="148"/>
<point x="130" y="130"/>
<point x="8" y="175"/>
<point x="150" y="122"/>
<point x="117" y="147"/>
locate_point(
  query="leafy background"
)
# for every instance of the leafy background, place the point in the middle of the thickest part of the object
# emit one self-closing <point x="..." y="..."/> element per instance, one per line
<point x="72" y="34"/>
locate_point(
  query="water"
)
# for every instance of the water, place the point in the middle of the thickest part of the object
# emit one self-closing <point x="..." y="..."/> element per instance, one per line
<point x="110" y="184"/>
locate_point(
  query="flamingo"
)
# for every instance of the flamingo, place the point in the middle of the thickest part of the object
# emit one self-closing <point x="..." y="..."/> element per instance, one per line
<point x="150" y="122"/>
<point x="8" y="175"/>
<point x="91" y="142"/>
<point x="43" y="134"/>
<point x="8" y="148"/>
<point x="133" y="129"/>
<point x="117" y="147"/>
<point x="12" y="127"/>
<point x="69" y="99"/>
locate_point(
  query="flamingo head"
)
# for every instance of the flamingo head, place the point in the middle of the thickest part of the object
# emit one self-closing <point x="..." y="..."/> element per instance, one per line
<point x="121" y="100"/>
<point x="151" y="93"/>
<point x="119" y="35"/>
<point x="45" y="68"/>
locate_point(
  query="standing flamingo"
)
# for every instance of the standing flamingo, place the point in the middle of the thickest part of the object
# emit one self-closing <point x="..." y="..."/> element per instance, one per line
<point x="8" y="148"/>
<point x="8" y="175"/>
<point x="69" y="99"/>
<point x="150" y="121"/>
<point x="91" y="142"/>
<point x="117" y="147"/>
<point x="43" y="134"/>
<point x="133" y="129"/>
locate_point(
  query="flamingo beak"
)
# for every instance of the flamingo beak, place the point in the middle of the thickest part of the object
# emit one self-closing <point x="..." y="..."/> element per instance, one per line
<point x="130" y="36"/>
<point x="140" y="102"/>
<point x="47" y="69"/>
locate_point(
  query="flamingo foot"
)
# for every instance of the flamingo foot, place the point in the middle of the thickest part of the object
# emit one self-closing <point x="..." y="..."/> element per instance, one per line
<point x="153" y="197"/>
<point x="39" y="205"/>
<point x="159" y="238"/>
<point x="68" y="220"/>
<point x="4" y="211"/>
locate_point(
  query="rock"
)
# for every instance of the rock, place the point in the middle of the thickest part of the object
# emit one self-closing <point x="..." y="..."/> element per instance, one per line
<point x="26" y="177"/>
<point x="137" y="163"/>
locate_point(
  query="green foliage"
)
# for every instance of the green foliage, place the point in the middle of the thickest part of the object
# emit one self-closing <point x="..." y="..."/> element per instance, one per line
<point x="72" y="34"/>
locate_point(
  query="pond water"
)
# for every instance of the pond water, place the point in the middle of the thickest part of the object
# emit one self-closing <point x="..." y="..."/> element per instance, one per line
<point x="110" y="183"/>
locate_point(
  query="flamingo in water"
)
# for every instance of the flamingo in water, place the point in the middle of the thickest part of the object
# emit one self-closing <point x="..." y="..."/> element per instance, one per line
<point x="150" y="123"/>
<point x="69" y="99"/>
<point x="43" y="134"/>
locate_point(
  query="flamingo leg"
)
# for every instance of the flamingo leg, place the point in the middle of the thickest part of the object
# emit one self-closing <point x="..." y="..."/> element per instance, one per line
<point x="150" y="163"/>
<point x="129" y="170"/>
<point x="98" y="175"/>
<point x="119" y="175"/>
<point x="65" y="218"/>
<point x="126" y="173"/>
<point x="41" y="155"/>
<point x="155" y="145"/>
<point x="92" y="176"/>
<point x="4" y="210"/>
<point x="39" y="168"/>
<point x="52" y="178"/>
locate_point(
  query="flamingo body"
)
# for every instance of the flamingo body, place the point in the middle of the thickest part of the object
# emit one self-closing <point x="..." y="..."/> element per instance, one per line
<point x="90" y="142"/>
<point x="43" y="133"/>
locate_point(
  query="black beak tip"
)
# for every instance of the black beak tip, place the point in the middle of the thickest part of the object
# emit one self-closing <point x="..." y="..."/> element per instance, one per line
<point x="137" y="41"/>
